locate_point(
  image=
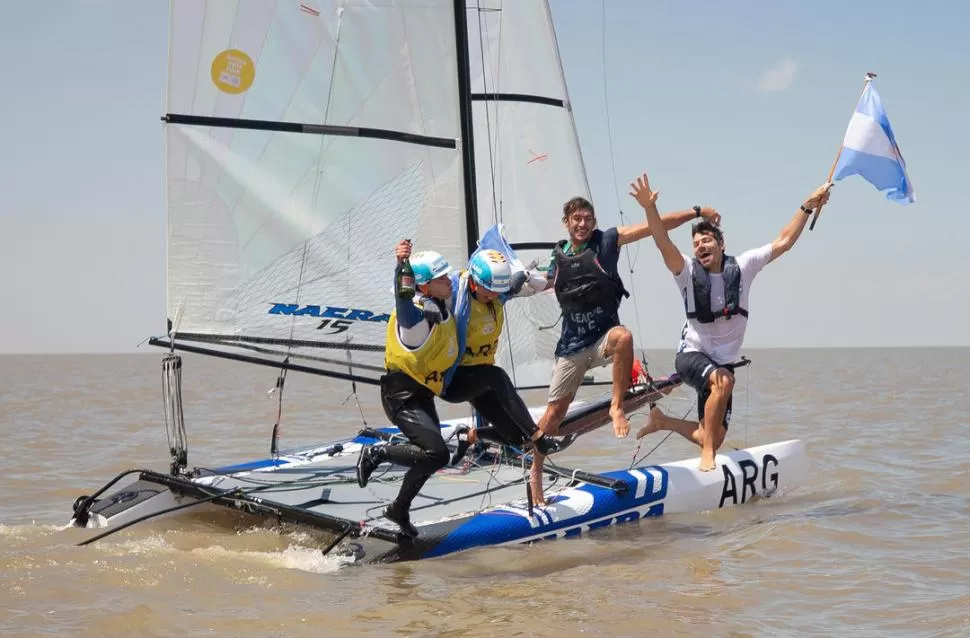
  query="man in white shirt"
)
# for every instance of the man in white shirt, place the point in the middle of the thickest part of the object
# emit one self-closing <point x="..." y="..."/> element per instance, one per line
<point x="715" y="288"/>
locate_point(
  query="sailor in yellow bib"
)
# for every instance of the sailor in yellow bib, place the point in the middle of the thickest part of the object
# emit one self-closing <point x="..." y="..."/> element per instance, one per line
<point x="422" y="345"/>
<point x="480" y="315"/>
<point x="428" y="362"/>
<point x="486" y="318"/>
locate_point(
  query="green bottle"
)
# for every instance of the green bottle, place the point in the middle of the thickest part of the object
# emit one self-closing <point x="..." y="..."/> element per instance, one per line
<point x="405" y="281"/>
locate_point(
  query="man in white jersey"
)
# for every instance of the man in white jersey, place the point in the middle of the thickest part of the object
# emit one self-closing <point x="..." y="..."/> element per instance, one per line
<point x="715" y="289"/>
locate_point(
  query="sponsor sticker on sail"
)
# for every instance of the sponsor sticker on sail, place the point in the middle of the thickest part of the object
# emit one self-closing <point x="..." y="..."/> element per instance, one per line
<point x="233" y="71"/>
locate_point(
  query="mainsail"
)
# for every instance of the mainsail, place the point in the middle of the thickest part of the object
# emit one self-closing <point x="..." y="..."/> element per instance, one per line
<point x="305" y="139"/>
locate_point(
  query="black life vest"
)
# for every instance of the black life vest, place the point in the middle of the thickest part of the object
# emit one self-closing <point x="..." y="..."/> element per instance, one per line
<point x="582" y="284"/>
<point x="731" y="274"/>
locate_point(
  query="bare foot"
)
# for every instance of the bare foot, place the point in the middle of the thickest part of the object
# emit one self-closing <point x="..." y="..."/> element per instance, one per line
<point x="652" y="424"/>
<point x="707" y="462"/>
<point x="621" y="427"/>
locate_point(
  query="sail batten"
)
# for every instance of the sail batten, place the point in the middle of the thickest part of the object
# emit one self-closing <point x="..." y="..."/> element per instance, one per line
<point x="317" y="129"/>
<point x="234" y="340"/>
<point x="518" y="97"/>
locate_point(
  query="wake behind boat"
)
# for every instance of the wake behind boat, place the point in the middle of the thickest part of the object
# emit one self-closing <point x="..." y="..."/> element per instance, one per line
<point x="302" y="142"/>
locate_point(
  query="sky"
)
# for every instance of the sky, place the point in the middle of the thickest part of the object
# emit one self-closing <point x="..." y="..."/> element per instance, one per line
<point x="741" y="106"/>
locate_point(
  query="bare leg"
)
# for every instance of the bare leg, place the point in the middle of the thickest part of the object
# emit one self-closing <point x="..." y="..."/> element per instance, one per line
<point x="657" y="420"/>
<point x="549" y="425"/>
<point x="721" y="384"/>
<point x="619" y="347"/>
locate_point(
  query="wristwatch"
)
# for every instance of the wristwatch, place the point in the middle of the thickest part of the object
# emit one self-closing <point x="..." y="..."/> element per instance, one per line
<point x="697" y="209"/>
<point x="807" y="211"/>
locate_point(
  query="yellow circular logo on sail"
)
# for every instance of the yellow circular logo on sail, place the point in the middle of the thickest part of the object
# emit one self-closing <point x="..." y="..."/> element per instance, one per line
<point x="233" y="71"/>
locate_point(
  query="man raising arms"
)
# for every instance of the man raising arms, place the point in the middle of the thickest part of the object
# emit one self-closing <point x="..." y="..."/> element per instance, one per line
<point x="715" y="289"/>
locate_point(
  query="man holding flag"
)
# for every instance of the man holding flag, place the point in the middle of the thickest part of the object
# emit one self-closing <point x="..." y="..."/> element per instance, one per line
<point x="715" y="287"/>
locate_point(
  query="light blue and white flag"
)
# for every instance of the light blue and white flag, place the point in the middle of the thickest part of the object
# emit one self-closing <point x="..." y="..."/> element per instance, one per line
<point x="870" y="150"/>
<point x="494" y="239"/>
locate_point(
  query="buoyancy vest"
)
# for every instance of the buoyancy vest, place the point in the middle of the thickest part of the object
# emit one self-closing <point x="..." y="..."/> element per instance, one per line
<point x="582" y="284"/>
<point x="700" y="298"/>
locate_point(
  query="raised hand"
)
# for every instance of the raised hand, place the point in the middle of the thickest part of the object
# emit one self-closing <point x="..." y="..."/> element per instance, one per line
<point x="819" y="196"/>
<point x="711" y="215"/>
<point x="403" y="250"/>
<point x="640" y="190"/>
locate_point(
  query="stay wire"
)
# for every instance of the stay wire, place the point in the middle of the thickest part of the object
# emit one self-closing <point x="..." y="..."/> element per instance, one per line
<point x="616" y="193"/>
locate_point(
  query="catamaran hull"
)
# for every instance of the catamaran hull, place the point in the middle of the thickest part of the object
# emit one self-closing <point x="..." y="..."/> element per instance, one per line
<point x="448" y="523"/>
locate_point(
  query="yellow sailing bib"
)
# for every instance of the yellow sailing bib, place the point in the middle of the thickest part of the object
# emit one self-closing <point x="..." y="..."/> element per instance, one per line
<point x="484" y="327"/>
<point x="427" y="363"/>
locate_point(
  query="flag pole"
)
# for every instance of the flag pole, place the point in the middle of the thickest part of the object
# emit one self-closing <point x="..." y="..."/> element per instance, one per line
<point x="818" y="211"/>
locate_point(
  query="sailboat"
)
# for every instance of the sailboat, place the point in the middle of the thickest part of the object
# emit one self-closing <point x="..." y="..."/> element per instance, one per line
<point x="303" y="140"/>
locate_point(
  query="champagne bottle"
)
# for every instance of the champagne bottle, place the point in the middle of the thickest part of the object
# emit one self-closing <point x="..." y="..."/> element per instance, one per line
<point x="405" y="281"/>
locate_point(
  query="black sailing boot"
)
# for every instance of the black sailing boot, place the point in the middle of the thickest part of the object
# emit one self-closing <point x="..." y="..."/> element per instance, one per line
<point x="400" y="515"/>
<point x="461" y="435"/>
<point x="368" y="461"/>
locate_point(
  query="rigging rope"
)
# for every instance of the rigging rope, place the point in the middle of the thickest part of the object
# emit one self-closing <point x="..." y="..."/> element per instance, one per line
<point x="493" y="154"/>
<point x="616" y="193"/>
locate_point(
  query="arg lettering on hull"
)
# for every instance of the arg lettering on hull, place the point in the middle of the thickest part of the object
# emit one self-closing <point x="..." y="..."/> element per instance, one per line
<point x="756" y="479"/>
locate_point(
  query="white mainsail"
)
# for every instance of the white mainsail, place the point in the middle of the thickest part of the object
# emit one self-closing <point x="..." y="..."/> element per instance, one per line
<point x="305" y="139"/>
<point x="282" y="222"/>
<point x="527" y="157"/>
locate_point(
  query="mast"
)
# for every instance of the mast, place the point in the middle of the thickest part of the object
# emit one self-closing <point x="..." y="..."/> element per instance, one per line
<point x="467" y="126"/>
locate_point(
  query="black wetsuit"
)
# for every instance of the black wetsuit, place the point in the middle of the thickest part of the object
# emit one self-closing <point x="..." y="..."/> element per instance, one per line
<point x="491" y="392"/>
<point x="410" y="406"/>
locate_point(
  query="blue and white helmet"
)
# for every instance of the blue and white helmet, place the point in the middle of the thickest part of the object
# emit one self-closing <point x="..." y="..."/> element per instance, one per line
<point x="428" y="265"/>
<point x="491" y="270"/>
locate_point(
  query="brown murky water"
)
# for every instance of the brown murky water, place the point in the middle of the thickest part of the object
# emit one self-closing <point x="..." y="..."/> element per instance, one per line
<point x="877" y="543"/>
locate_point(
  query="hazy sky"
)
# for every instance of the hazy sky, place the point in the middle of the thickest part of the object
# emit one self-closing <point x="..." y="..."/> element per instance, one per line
<point x="738" y="105"/>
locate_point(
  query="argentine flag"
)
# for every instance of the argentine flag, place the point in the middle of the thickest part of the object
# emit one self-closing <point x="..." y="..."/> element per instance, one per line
<point x="870" y="151"/>
<point x="494" y="239"/>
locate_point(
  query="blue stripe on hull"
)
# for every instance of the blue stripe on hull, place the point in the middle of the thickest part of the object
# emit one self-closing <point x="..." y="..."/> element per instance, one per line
<point x="509" y="524"/>
<point x="252" y="465"/>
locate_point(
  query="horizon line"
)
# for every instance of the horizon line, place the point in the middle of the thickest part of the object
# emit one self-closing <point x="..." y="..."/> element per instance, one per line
<point x="115" y="353"/>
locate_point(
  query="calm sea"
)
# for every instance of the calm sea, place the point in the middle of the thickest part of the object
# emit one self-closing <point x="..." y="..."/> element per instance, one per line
<point x="877" y="543"/>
